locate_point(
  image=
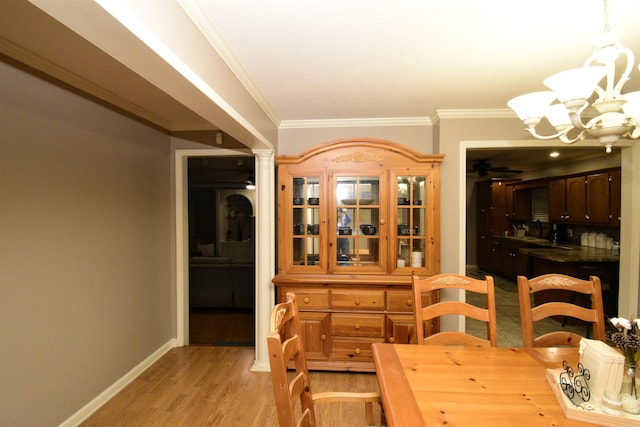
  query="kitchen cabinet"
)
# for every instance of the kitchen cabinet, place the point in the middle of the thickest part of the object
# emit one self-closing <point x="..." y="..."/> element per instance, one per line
<point x="557" y="201"/>
<point x="491" y="216"/>
<point x="575" y="207"/>
<point x="607" y="271"/>
<point x="567" y="200"/>
<point x="356" y="219"/>
<point x="615" y="195"/>
<point x="597" y="198"/>
<point x="512" y="262"/>
<point x="590" y="198"/>
<point x="495" y="254"/>
<point x="517" y="203"/>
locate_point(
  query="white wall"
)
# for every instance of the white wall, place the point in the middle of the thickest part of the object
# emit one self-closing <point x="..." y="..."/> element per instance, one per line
<point x="86" y="291"/>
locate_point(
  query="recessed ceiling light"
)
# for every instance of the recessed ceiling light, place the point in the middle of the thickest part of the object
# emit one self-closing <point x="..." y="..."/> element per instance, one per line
<point x="554" y="154"/>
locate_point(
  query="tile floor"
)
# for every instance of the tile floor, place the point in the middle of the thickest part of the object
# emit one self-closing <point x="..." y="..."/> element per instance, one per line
<point x="508" y="314"/>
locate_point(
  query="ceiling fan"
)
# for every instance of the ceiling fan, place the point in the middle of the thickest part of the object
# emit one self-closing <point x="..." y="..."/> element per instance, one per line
<point x="483" y="167"/>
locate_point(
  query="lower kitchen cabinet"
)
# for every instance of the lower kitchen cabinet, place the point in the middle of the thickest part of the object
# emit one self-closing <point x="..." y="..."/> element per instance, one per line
<point x="607" y="272"/>
<point x="512" y="262"/>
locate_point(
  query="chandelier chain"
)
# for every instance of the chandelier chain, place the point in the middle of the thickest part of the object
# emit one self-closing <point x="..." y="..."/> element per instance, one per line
<point x="607" y="27"/>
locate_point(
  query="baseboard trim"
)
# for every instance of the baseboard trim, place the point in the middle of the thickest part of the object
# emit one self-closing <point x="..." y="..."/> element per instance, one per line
<point x="116" y="387"/>
<point x="260" y="366"/>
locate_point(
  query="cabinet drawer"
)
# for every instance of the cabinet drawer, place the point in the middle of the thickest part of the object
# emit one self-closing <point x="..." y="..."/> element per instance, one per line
<point x="311" y="299"/>
<point x="400" y="301"/>
<point x="357" y="300"/>
<point x="355" y="349"/>
<point x="357" y="325"/>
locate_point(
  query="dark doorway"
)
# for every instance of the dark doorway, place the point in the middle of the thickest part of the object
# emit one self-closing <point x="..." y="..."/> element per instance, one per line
<point x="221" y="251"/>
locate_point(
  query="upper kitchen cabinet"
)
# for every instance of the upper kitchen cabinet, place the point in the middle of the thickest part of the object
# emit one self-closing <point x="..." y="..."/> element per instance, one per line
<point x="359" y="207"/>
<point x="557" y="200"/>
<point x="589" y="198"/>
<point x="518" y="203"/>
<point x="597" y="199"/>
<point x="615" y="195"/>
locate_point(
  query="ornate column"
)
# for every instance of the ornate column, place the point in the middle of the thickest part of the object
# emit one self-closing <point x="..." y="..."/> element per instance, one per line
<point x="265" y="252"/>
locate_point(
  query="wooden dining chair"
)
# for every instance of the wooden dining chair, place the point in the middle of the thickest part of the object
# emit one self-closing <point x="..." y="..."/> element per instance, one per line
<point x="560" y="308"/>
<point x="427" y="313"/>
<point x="285" y="345"/>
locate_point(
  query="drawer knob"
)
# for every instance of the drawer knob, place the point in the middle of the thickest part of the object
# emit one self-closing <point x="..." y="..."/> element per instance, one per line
<point x="357" y="350"/>
<point x="323" y="337"/>
<point x="357" y="301"/>
<point x="306" y="300"/>
<point x="357" y="326"/>
<point x="392" y="339"/>
<point x="409" y="302"/>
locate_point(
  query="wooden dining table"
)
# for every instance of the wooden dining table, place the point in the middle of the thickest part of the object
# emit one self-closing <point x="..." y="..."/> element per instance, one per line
<point x="469" y="386"/>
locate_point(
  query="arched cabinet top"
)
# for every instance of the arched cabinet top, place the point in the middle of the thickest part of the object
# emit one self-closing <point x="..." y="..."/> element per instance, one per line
<point x="359" y="150"/>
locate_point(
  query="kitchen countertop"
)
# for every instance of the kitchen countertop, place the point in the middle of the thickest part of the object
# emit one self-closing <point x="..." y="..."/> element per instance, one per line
<point x="563" y="252"/>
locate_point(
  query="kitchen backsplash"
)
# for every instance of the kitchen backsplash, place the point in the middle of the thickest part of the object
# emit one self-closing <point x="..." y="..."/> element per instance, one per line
<point x="566" y="233"/>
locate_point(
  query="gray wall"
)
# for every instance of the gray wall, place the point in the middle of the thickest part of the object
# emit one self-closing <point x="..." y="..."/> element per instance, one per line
<point x="86" y="291"/>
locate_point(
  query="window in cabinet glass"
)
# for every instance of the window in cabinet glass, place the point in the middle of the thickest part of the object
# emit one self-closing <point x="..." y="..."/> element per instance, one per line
<point x="306" y="221"/>
<point x="411" y="221"/>
<point x="358" y="221"/>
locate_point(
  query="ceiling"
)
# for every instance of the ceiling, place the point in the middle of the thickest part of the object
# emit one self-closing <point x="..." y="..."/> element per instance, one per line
<point x="337" y="59"/>
<point x="527" y="160"/>
<point x="316" y="62"/>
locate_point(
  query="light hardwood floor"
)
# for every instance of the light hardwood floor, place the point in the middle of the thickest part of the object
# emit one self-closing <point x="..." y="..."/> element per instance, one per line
<point x="213" y="386"/>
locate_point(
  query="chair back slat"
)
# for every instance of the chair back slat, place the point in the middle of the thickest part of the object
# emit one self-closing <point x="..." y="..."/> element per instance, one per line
<point x="550" y="309"/>
<point x="447" y="307"/>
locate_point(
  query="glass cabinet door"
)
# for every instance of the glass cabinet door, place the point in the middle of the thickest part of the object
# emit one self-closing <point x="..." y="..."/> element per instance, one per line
<point x="306" y="221"/>
<point x="357" y="222"/>
<point x="411" y="221"/>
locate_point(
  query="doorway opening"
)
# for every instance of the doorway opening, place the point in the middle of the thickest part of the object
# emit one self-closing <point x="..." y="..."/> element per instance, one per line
<point x="221" y="212"/>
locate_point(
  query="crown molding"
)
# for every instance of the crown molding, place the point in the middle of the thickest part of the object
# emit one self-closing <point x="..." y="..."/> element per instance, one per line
<point x="497" y="113"/>
<point x="196" y="12"/>
<point x="370" y="122"/>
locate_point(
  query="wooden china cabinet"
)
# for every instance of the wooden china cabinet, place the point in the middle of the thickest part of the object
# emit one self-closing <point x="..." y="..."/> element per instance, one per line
<point x="356" y="218"/>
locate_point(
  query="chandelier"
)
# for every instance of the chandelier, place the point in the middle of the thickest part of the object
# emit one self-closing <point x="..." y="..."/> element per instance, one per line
<point x="618" y="114"/>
